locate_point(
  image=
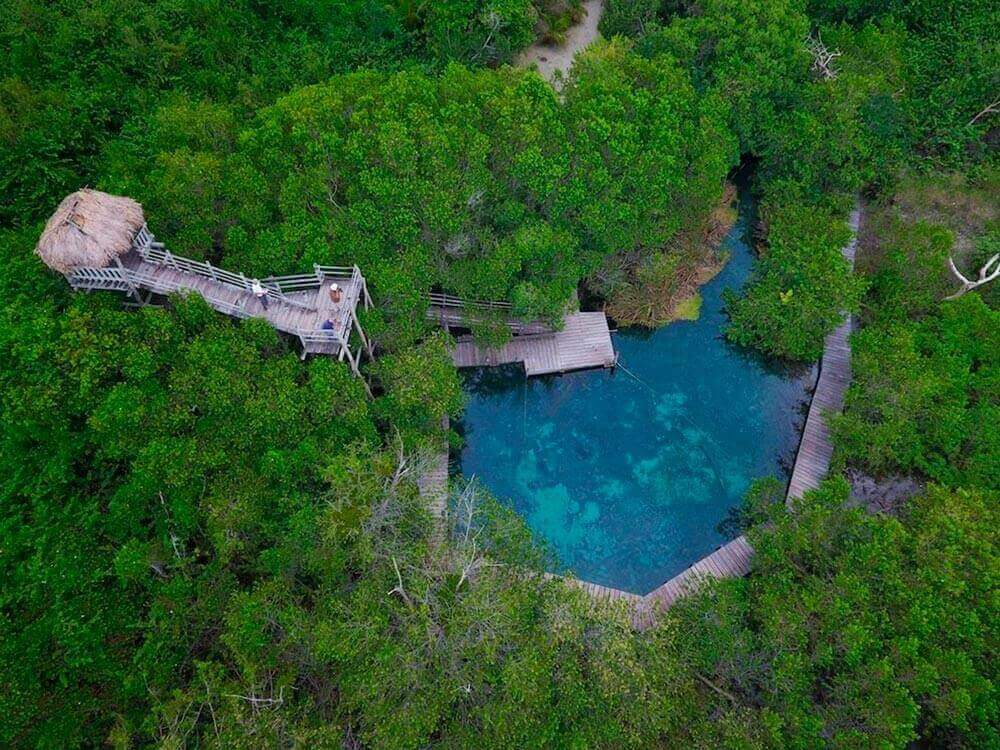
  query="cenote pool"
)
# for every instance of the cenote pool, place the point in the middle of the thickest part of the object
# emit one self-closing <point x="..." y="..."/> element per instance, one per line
<point x="627" y="474"/>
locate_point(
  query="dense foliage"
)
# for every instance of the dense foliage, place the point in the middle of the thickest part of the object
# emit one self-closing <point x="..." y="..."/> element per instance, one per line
<point x="206" y="542"/>
<point x="801" y="286"/>
<point x="75" y="74"/>
<point x="924" y="398"/>
<point x="855" y="628"/>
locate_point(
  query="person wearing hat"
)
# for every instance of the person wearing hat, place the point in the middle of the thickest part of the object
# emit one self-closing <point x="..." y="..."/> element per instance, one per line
<point x="335" y="293"/>
<point x="259" y="292"/>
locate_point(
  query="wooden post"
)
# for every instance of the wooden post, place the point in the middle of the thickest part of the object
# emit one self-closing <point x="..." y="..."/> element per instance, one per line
<point x="357" y="372"/>
<point x="361" y="333"/>
<point x="346" y="349"/>
<point x="364" y="288"/>
<point x="131" y="286"/>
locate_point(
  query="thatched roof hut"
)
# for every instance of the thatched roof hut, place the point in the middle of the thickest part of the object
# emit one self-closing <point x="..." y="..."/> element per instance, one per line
<point x="90" y="229"/>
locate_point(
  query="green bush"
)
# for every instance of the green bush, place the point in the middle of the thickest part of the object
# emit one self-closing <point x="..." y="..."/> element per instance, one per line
<point x="628" y="17"/>
<point x="801" y="286"/>
<point x="923" y="397"/>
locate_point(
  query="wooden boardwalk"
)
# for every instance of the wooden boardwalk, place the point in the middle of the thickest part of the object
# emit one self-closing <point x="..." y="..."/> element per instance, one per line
<point x="584" y="342"/>
<point x="299" y="305"/>
<point x="597" y="591"/>
<point x="432" y="482"/>
<point x="812" y="460"/>
<point x="729" y="561"/>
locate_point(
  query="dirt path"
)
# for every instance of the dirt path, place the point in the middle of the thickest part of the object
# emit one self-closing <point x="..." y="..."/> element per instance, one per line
<point x="552" y="59"/>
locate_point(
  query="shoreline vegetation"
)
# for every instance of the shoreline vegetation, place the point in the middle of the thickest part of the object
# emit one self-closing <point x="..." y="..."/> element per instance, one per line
<point x="663" y="288"/>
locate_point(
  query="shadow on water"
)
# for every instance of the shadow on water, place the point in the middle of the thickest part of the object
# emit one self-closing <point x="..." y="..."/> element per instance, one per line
<point x="631" y="476"/>
<point x="479" y="381"/>
<point x="782" y="368"/>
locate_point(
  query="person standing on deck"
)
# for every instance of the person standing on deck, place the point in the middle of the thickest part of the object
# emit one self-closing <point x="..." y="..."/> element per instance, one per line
<point x="335" y="294"/>
<point x="259" y="292"/>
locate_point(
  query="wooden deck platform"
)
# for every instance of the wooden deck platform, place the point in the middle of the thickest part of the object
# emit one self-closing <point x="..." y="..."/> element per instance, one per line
<point x="584" y="342"/>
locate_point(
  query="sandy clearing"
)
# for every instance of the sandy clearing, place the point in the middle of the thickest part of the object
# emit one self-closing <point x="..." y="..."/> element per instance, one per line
<point x="550" y="60"/>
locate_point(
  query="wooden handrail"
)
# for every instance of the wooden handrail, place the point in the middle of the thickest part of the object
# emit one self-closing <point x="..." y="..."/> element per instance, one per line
<point x="115" y="277"/>
<point x="276" y="286"/>
<point x="126" y="277"/>
<point x="447" y="300"/>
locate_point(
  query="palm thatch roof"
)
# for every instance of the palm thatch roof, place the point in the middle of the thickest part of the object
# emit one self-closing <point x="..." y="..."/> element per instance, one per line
<point x="89" y="230"/>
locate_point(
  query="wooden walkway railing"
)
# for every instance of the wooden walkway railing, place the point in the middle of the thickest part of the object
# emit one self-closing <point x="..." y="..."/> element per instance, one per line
<point x="450" y="311"/>
<point x="298" y="304"/>
<point x="442" y="299"/>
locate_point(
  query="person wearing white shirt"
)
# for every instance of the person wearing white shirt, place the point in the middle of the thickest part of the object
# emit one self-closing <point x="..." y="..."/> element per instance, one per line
<point x="259" y="292"/>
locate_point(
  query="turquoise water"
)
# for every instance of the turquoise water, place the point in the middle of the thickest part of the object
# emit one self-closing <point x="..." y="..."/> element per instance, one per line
<point x="627" y="474"/>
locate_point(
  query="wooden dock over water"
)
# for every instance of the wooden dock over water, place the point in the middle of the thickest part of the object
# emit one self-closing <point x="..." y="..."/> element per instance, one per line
<point x="583" y="343"/>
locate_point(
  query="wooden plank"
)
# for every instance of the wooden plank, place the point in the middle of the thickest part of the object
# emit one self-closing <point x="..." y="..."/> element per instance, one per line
<point x="584" y="343"/>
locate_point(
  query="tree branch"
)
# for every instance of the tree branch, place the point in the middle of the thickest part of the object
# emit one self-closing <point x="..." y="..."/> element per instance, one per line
<point x="989" y="272"/>
<point x="989" y="109"/>
<point x="822" y="57"/>
<point x="399" y="587"/>
<point x="707" y="682"/>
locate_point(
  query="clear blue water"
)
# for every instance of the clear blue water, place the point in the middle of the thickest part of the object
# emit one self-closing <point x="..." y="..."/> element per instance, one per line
<point x="627" y="474"/>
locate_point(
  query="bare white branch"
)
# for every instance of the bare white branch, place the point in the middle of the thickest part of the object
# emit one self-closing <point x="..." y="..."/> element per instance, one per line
<point x="822" y="57"/>
<point x="989" y="109"/>
<point x="989" y="272"/>
<point x="260" y="702"/>
<point x="399" y="589"/>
